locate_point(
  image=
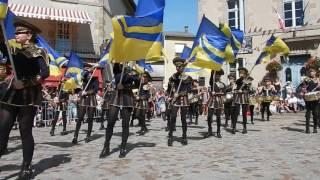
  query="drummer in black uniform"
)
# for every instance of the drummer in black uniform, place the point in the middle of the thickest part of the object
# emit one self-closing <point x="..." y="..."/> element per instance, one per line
<point x="229" y="105"/>
<point x="194" y="104"/>
<point x="216" y="100"/>
<point x="242" y="98"/>
<point x="180" y="99"/>
<point x="106" y="104"/>
<point x="22" y="99"/>
<point x="142" y="102"/>
<point x="122" y="100"/>
<point x="61" y="106"/>
<point x="87" y="104"/>
<point x="267" y="92"/>
<point x="311" y="84"/>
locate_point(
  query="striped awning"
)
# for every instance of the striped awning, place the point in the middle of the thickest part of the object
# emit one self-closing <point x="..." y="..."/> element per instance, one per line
<point x="24" y="10"/>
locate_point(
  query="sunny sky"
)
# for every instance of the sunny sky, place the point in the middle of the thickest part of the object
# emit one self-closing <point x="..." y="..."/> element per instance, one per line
<point x="180" y="13"/>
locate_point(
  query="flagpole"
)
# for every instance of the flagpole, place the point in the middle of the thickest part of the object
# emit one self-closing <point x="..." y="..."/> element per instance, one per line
<point x="86" y="87"/>
<point x="8" y="49"/>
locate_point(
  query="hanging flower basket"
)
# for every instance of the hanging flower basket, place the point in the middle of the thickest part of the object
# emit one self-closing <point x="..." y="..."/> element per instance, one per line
<point x="274" y="66"/>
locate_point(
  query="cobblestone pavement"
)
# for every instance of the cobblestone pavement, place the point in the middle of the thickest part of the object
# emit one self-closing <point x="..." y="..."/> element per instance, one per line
<point x="278" y="149"/>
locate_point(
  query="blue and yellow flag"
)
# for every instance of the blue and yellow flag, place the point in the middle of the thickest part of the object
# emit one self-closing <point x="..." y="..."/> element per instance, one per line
<point x="145" y="7"/>
<point x="235" y="41"/>
<point x="209" y="47"/>
<point x="139" y="37"/>
<point x="274" y="46"/>
<point x="56" y="60"/>
<point x="3" y="9"/>
<point x="146" y="66"/>
<point x="73" y="72"/>
<point x="190" y="68"/>
<point x="105" y="55"/>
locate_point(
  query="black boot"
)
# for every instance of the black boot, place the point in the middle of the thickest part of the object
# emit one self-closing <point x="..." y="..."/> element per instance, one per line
<point x="87" y="139"/>
<point x="105" y="151"/>
<point x="226" y="123"/>
<point x="123" y="151"/>
<point x="184" y="140"/>
<point x="208" y="134"/>
<point x="52" y="132"/>
<point x="196" y="123"/>
<point x="102" y="127"/>
<point x="26" y="172"/>
<point x="262" y="116"/>
<point x="170" y="141"/>
<point x="64" y="132"/>
<point x="308" y="125"/>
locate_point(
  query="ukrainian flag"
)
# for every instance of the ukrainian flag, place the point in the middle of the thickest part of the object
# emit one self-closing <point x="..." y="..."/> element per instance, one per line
<point x="209" y="46"/>
<point x="73" y="72"/>
<point x="56" y="61"/>
<point x="235" y="41"/>
<point x="275" y="46"/>
<point x="139" y="37"/>
<point x="3" y="9"/>
<point x="264" y="57"/>
<point x="105" y="55"/>
<point x="190" y="68"/>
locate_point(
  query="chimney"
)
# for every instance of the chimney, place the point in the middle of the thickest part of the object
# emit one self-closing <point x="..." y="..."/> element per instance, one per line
<point x="186" y="29"/>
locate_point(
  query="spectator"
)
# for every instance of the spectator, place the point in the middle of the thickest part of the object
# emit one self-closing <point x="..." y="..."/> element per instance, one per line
<point x="292" y="102"/>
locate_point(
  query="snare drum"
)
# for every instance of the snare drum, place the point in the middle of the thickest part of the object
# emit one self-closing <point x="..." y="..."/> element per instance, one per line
<point x="267" y="98"/>
<point x="252" y="100"/>
<point x="311" y="96"/>
<point x="275" y="98"/>
<point x="229" y="97"/>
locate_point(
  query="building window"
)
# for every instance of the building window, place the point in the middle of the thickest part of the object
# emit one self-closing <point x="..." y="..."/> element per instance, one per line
<point x="179" y="49"/>
<point x="233" y="67"/>
<point x="293" y="13"/>
<point x="233" y="14"/>
<point x="63" y="38"/>
<point x="288" y="75"/>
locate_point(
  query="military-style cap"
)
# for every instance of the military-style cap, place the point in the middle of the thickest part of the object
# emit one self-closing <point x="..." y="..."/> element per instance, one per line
<point x="147" y="75"/>
<point x="267" y="78"/>
<point x="243" y="70"/>
<point x="22" y="25"/>
<point x="231" y="76"/>
<point x="177" y="61"/>
<point x="221" y="72"/>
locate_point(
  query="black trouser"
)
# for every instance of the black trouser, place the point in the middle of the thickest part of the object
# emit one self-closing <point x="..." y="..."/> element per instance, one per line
<point x="265" y="107"/>
<point x="56" y="117"/>
<point x="251" y="107"/>
<point x="82" y="110"/>
<point x="244" y="115"/>
<point x="217" y="112"/>
<point x="311" y="107"/>
<point x="25" y="116"/>
<point x="173" y="118"/>
<point x="227" y="111"/>
<point x="194" y="110"/>
<point x="141" y="114"/>
<point x="104" y="116"/>
<point x="113" y="114"/>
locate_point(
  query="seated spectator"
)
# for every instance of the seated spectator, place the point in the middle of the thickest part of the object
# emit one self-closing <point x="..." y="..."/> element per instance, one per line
<point x="292" y="102"/>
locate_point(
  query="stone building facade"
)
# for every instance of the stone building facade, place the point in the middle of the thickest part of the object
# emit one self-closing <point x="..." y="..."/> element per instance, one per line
<point x="78" y="25"/>
<point x="259" y="20"/>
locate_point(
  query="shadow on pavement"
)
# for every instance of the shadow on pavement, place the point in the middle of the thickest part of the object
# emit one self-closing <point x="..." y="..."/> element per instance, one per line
<point x="51" y="162"/>
<point x="14" y="138"/>
<point x="59" y="144"/>
<point x="293" y="129"/>
<point x="131" y="147"/>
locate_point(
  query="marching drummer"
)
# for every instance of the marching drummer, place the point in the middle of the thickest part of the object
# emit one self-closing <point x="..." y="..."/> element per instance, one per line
<point x="311" y="84"/>
<point x="215" y="103"/>
<point x="229" y="105"/>
<point x="267" y="92"/>
<point x="252" y="99"/>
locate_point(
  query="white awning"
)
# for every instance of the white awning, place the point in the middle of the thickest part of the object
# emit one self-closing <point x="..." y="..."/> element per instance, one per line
<point x="24" y="10"/>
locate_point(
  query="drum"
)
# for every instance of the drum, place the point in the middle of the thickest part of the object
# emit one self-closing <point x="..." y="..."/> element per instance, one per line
<point x="275" y="98"/>
<point x="252" y="100"/>
<point x="311" y="96"/>
<point x="267" y="98"/>
<point x="229" y="97"/>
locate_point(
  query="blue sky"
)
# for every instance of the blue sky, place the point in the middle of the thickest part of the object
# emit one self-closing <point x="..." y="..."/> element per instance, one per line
<point x="180" y="13"/>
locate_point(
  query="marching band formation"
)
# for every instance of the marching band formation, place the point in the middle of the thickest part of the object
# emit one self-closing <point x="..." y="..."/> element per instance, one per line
<point x="183" y="95"/>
